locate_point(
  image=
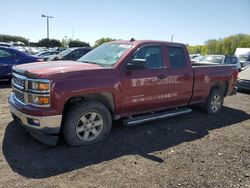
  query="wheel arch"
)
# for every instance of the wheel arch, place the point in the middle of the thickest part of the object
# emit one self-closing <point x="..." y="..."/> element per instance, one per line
<point x="105" y="98"/>
<point x="223" y="86"/>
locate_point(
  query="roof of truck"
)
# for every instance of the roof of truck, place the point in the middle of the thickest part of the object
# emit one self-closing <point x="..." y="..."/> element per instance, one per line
<point x="138" y="42"/>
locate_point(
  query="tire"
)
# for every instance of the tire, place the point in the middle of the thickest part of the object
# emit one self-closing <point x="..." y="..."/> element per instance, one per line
<point x="87" y="123"/>
<point x="214" y="102"/>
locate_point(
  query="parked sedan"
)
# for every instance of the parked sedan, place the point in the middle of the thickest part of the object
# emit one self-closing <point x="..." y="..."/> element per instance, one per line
<point x="10" y="57"/>
<point x="221" y="59"/>
<point x="244" y="79"/>
<point x="70" y="54"/>
<point x="46" y="54"/>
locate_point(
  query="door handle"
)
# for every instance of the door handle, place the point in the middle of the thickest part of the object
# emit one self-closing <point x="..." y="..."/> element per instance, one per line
<point x="161" y="76"/>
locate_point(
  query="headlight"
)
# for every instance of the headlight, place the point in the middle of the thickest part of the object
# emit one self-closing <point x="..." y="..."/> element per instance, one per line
<point x="39" y="93"/>
<point x="39" y="100"/>
<point x="39" y="86"/>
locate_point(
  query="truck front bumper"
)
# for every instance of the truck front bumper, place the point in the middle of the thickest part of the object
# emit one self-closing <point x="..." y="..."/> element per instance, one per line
<point x="41" y="127"/>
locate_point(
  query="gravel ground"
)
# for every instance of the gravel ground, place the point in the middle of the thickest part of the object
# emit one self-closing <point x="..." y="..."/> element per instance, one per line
<point x="194" y="150"/>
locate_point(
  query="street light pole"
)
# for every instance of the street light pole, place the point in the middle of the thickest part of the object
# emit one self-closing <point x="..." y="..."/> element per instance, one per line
<point x="48" y="17"/>
<point x="172" y="37"/>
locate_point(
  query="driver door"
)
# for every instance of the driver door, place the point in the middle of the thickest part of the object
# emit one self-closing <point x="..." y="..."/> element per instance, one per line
<point x="144" y="90"/>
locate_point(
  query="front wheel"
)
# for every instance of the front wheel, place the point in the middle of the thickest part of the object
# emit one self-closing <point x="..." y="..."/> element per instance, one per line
<point x="214" y="102"/>
<point x="87" y="123"/>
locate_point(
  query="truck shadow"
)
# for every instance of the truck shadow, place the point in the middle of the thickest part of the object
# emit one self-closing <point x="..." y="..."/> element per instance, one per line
<point x="31" y="159"/>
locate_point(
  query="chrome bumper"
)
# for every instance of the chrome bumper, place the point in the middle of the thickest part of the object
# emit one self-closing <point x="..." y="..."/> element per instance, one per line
<point x="47" y="124"/>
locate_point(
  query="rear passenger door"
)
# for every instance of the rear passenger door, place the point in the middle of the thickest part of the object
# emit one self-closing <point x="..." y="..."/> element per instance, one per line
<point x="180" y="76"/>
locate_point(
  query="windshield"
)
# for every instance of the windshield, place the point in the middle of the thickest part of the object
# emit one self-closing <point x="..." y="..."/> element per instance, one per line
<point x="66" y="52"/>
<point x="106" y="54"/>
<point x="212" y="59"/>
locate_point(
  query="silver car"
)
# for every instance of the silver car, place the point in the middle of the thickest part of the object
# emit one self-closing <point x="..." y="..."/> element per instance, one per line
<point x="244" y="79"/>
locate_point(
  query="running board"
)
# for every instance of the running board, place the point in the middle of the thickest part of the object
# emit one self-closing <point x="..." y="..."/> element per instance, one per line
<point x="155" y="116"/>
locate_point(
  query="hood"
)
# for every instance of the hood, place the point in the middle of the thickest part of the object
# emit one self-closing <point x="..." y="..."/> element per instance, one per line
<point x="50" y="68"/>
<point x="245" y="74"/>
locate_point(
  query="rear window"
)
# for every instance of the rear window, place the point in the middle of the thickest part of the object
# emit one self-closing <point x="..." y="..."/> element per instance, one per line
<point x="230" y="60"/>
<point x="176" y="57"/>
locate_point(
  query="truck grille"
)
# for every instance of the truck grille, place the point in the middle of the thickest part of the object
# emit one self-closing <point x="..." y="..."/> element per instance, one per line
<point x="19" y="83"/>
<point x="23" y="91"/>
<point x="19" y="96"/>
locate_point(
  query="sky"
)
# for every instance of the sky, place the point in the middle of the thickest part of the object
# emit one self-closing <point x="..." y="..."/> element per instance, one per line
<point x="189" y="21"/>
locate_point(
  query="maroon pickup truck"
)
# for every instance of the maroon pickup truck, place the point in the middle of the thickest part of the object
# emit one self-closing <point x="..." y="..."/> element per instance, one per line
<point x="135" y="81"/>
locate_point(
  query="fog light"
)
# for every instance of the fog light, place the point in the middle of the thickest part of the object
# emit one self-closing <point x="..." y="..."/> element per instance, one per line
<point x="34" y="122"/>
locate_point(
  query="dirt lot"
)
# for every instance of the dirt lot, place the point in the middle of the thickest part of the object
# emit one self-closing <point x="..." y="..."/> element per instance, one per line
<point x="195" y="150"/>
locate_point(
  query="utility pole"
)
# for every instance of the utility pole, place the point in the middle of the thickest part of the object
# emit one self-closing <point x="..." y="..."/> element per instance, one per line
<point x="172" y="37"/>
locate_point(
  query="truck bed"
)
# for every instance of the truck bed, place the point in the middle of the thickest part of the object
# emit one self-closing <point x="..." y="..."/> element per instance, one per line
<point x="207" y="75"/>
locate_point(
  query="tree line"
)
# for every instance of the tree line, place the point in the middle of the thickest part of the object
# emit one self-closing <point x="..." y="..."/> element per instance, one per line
<point x="50" y="43"/>
<point x="223" y="46"/>
<point x="213" y="46"/>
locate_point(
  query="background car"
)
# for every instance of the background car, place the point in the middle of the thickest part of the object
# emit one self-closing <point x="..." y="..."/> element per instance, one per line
<point x="70" y="54"/>
<point x="244" y="56"/>
<point x="244" y="79"/>
<point x="5" y="44"/>
<point x="46" y="54"/>
<point x="10" y="57"/>
<point x="221" y="59"/>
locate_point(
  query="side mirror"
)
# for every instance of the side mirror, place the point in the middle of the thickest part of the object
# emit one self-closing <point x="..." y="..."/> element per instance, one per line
<point x="136" y="64"/>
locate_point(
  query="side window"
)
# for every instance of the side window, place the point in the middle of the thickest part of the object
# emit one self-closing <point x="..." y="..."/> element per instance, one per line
<point x="74" y="53"/>
<point x="46" y="53"/>
<point x="4" y="53"/>
<point x="230" y="60"/>
<point x="153" y="56"/>
<point x="176" y="57"/>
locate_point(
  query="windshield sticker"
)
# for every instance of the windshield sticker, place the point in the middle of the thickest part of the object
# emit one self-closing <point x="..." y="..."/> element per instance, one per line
<point x="124" y="46"/>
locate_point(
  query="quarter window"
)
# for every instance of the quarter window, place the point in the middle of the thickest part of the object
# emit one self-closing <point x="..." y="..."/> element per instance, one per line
<point x="176" y="57"/>
<point x="153" y="56"/>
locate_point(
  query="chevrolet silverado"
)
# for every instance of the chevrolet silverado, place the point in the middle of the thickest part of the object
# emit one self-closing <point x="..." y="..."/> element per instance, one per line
<point x="136" y="81"/>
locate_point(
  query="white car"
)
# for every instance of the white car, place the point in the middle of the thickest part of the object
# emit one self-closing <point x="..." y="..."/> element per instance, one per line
<point x="243" y="82"/>
<point x="244" y="56"/>
<point x="222" y="59"/>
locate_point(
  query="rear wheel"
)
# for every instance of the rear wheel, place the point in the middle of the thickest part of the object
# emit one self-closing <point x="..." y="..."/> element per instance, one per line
<point x="87" y="123"/>
<point x="214" y="102"/>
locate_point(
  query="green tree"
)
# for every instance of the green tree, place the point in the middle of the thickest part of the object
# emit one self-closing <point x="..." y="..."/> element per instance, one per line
<point x="12" y="38"/>
<point x="49" y="43"/>
<point x="78" y="43"/>
<point x="102" y="41"/>
<point x="226" y="45"/>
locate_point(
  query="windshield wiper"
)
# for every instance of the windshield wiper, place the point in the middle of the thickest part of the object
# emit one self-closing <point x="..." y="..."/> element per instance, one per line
<point x="89" y="62"/>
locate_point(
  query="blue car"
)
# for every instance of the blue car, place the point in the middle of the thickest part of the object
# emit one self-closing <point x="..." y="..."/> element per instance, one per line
<point x="10" y="57"/>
